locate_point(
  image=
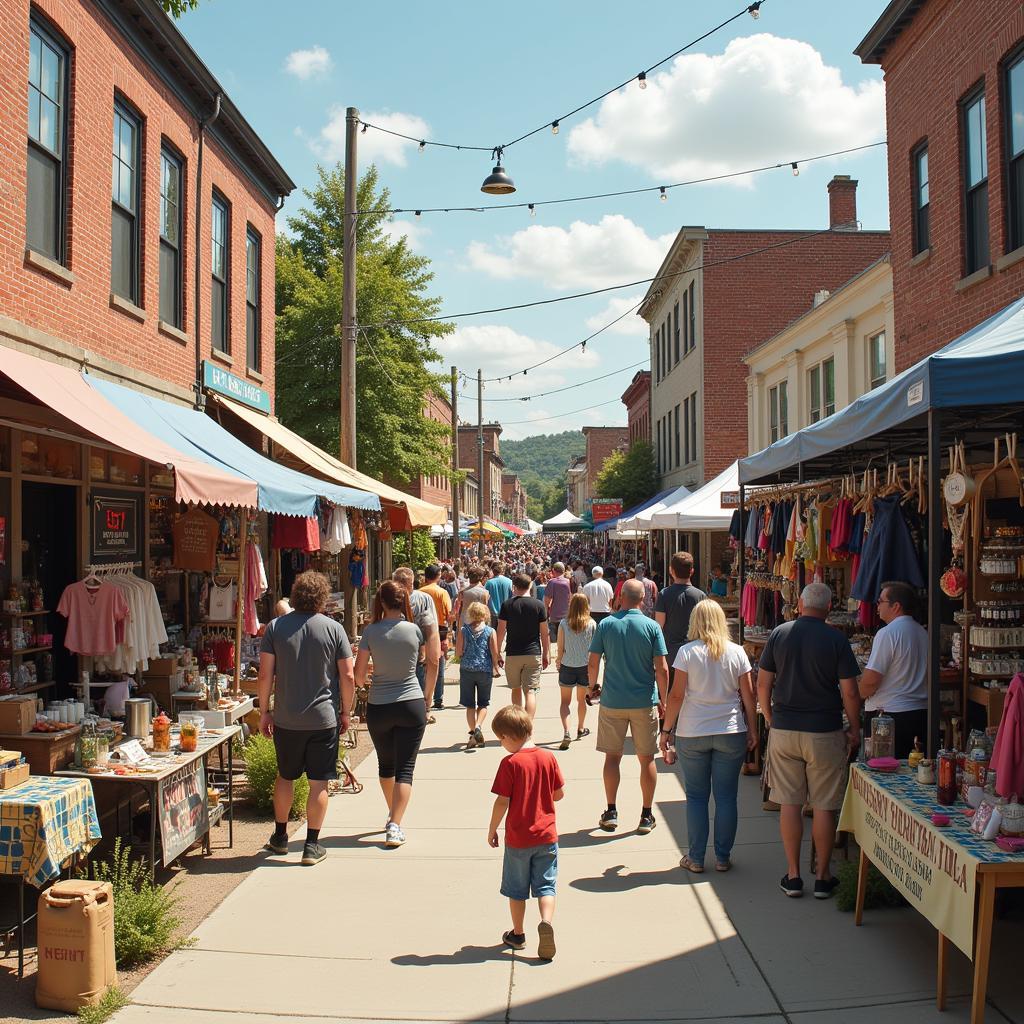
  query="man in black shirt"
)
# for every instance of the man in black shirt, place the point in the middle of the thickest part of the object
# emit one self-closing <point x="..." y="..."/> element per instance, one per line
<point x="672" y="610"/>
<point x="522" y="627"/>
<point x="806" y="678"/>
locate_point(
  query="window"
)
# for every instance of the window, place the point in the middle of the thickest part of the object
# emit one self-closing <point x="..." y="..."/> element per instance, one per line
<point x="677" y="437"/>
<point x="686" y="431"/>
<point x="773" y="415"/>
<point x="1013" y="101"/>
<point x="686" y="323"/>
<point x="693" y="427"/>
<point x="828" y="369"/>
<point x="219" y="230"/>
<point x="814" y="394"/>
<point x="783" y="408"/>
<point x="975" y="163"/>
<point x="657" y="356"/>
<point x="921" y="205"/>
<point x="778" y="411"/>
<point x="253" y="250"/>
<point x="124" y="221"/>
<point x="876" y="359"/>
<point x="47" y="128"/>
<point x="693" y="318"/>
<point x="660" y="433"/>
<point x="170" y="238"/>
<point x="821" y="388"/>
<point x="675" y="329"/>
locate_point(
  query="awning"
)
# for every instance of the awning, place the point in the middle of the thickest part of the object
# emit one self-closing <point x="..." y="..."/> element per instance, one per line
<point x="612" y="524"/>
<point x="420" y="513"/>
<point x="641" y="521"/>
<point x="701" y="510"/>
<point x="279" y="489"/>
<point x="66" y="392"/>
<point x="565" y="522"/>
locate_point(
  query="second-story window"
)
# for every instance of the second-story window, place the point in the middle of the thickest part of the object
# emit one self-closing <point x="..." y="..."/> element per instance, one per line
<point x="219" y="268"/>
<point x="170" y="238"/>
<point x="675" y="330"/>
<point x="975" y="164"/>
<point x="773" y="415"/>
<point x="919" y="160"/>
<point x="693" y="318"/>
<point x="821" y="388"/>
<point x="1013" y="101"/>
<point x="252" y="299"/>
<point x="124" y="221"/>
<point x="47" y="128"/>
<point x="876" y="359"/>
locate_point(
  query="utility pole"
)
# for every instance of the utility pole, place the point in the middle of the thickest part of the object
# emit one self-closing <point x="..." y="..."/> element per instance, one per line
<point x="455" y="463"/>
<point x="480" y="462"/>
<point x="347" y="410"/>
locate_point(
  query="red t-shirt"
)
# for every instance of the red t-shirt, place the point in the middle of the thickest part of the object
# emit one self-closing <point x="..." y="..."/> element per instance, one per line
<point x="529" y="779"/>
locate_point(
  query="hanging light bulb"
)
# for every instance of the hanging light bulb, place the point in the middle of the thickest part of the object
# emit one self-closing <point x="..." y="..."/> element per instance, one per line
<point x="664" y="194"/>
<point x="418" y="212"/>
<point x="365" y="126"/>
<point x="796" y="170"/>
<point x="641" y="79"/>
<point x="423" y="146"/>
<point x="498" y="183"/>
<point x="583" y="346"/>
<point x="554" y="127"/>
<point x="755" y="9"/>
<point x="533" y="210"/>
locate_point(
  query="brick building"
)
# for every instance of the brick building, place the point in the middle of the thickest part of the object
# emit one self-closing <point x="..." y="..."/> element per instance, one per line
<point x="490" y="485"/>
<point x="708" y="309"/>
<point x="105" y="272"/>
<point x="637" y="400"/>
<point x="513" y="499"/>
<point x="437" y="488"/>
<point x="954" y="94"/>
<point x="601" y="442"/>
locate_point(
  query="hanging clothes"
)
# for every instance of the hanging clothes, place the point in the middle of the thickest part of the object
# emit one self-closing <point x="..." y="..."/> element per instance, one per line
<point x="195" y="541"/>
<point x="358" y="531"/>
<point x="255" y="587"/>
<point x="296" y="532"/>
<point x="889" y="552"/>
<point x="338" y="536"/>
<point x="143" y="631"/>
<point x="736" y="526"/>
<point x="93" y="611"/>
<point x="222" y="601"/>
<point x="1008" y="752"/>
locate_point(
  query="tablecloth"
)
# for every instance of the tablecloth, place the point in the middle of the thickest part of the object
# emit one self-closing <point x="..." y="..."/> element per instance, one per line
<point x="42" y="823"/>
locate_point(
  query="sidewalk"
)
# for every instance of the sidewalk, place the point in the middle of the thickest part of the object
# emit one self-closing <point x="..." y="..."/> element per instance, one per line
<point x="414" y="934"/>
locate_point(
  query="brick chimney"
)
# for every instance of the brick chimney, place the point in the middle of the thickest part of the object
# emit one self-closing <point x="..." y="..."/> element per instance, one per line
<point x="842" y="203"/>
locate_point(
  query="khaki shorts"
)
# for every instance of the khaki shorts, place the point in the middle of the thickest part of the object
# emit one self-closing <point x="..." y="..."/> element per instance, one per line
<point x="642" y="724"/>
<point x="807" y="767"/>
<point x="522" y="671"/>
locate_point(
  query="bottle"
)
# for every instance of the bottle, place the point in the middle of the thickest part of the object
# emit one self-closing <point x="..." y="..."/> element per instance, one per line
<point x="946" y="777"/>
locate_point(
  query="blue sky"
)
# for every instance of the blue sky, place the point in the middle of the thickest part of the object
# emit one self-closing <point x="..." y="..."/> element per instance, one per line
<point x="777" y="89"/>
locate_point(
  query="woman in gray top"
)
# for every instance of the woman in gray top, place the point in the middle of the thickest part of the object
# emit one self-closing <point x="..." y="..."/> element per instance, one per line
<point x="396" y="713"/>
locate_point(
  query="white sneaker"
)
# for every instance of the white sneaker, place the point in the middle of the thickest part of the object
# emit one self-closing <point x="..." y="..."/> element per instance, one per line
<point x="393" y="835"/>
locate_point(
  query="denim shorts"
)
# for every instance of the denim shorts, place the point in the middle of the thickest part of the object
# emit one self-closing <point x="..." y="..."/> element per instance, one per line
<point x="529" y="869"/>
<point x="475" y="688"/>
<point x="570" y="675"/>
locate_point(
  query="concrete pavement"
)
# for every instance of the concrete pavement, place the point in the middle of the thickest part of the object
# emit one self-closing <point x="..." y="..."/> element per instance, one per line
<point x="414" y="934"/>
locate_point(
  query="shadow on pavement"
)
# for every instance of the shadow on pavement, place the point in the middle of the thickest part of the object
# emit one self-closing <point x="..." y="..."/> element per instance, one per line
<point x="613" y="880"/>
<point x="465" y="955"/>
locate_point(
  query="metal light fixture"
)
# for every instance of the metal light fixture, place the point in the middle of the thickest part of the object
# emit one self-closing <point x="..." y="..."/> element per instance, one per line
<point x="754" y="10"/>
<point x="796" y="170"/>
<point x="498" y="183"/>
<point x="642" y="79"/>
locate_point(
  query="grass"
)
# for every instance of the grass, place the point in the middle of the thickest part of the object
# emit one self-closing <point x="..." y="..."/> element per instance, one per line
<point x="261" y="774"/>
<point x="113" y="1000"/>
<point x="880" y="892"/>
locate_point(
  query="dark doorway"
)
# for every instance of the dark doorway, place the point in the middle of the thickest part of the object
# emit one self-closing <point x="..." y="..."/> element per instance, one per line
<point x="49" y="530"/>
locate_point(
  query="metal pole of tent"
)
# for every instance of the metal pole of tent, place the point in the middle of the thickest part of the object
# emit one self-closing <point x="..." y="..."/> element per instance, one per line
<point x="934" y="573"/>
<point x="743" y="561"/>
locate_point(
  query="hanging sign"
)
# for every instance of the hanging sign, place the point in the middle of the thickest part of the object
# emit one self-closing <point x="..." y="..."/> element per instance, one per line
<point x="114" y="533"/>
<point x="224" y="382"/>
<point x="729" y="499"/>
<point x="184" y="812"/>
<point x="603" y="509"/>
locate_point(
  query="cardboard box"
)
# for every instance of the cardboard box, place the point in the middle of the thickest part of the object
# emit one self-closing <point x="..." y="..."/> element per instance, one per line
<point x="17" y="715"/>
<point x="162" y="666"/>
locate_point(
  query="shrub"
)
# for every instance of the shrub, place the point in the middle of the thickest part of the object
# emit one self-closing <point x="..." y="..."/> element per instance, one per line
<point x="144" y="918"/>
<point x="880" y="892"/>
<point x="113" y="1000"/>
<point x="261" y="774"/>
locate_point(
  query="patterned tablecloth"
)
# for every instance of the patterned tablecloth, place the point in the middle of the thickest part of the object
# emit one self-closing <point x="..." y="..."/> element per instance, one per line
<point x="42" y="823"/>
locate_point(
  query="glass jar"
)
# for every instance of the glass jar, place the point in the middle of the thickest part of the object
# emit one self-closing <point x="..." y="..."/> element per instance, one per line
<point x="161" y="733"/>
<point x="189" y="735"/>
<point x="946" y="777"/>
<point x="883" y="735"/>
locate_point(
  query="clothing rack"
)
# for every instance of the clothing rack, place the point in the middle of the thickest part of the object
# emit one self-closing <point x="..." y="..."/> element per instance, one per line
<point x="113" y="568"/>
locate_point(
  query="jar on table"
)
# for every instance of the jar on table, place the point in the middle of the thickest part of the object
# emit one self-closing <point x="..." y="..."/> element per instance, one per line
<point x="189" y="735"/>
<point x="161" y="733"/>
<point x="946" y="777"/>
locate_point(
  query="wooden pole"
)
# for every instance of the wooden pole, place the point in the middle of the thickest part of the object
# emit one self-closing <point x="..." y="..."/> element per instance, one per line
<point x="455" y="463"/>
<point x="347" y="404"/>
<point x="243" y="530"/>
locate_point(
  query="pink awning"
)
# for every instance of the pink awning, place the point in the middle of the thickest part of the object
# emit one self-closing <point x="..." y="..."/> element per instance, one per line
<point x="65" y="391"/>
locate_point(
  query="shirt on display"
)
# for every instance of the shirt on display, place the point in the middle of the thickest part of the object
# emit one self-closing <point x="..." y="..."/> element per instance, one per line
<point x="222" y="602"/>
<point x="195" y="541"/>
<point x="296" y="532"/>
<point x="93" y="613"/>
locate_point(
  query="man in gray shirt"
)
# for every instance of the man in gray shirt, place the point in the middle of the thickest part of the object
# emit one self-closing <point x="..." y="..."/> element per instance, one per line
<point x="306" y="663"/>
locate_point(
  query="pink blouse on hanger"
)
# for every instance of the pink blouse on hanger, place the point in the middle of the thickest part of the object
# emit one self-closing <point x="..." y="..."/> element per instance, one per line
<point x="93" y="614"/>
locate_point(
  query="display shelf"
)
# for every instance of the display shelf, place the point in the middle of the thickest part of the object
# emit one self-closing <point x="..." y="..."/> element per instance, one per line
<point x="25" y="650"/>
<point x="34" y="688"/>
<point x="21" y="615"/>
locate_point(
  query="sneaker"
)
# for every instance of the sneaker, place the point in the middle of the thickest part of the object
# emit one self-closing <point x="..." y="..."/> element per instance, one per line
<point x="393" y="835"/>
<point x="792" y="886"/>
<point x="313" y="853"/>
<point x="277" y="845"/>
<point x="647" y="824"/>
<point x="479" y="736"/>
<point x="609" y="821"/>
<point x="546" y="945"/>
<point x="517" y="940"/>
<point x="566" y="740"/>
<point x="471" y="742"/>
<point x="825" y="890"/>
<point x="438" y="707"/>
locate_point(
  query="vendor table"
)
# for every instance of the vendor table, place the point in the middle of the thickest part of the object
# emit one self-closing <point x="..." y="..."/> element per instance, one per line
<point x="948" y="874"/>
<point x="176" y="789"/>
<point x="43" y="823"/>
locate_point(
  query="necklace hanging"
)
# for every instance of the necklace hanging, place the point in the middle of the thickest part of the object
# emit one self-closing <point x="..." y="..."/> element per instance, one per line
<point x="953" y="582"/>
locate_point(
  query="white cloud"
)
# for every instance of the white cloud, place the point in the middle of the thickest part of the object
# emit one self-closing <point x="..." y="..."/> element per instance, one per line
<point x="412" y="230"/>
<point x="374" y="146"/>
<point x="765" y="99"/>
<point x="580" y="256"/>
<point x="305" y="64"/>
<point x="631" y="324"/>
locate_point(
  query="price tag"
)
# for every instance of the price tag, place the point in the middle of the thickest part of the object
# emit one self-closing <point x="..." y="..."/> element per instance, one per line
<point x="132" y="752"/>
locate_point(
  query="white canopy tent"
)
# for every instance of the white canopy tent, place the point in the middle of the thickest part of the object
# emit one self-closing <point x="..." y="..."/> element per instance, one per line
<point x="701" y="510"/>
<point x="532" y="526"/>
<point x="641" y="522"/>
<point x="565" y="522"/>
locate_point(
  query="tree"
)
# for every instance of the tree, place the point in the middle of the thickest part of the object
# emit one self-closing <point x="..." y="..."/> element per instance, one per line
<point x="547" y="502"/>
<point x="629" y="475"/>
<point x="176" y="8"/>
<point x="395" y="440"/>
<point x="423" y="551"/>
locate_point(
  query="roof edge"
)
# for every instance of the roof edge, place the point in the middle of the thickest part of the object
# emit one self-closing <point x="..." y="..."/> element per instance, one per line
<point x="883" y="33"/>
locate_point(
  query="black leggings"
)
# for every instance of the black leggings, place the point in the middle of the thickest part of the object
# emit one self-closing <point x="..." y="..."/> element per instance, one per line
<point x="397" y="731"/>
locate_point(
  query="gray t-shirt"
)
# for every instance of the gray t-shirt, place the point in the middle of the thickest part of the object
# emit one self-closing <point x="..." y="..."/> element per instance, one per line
<point x="423" y="614"/>
<point x="469" y="595"/>
<point x="394" y="645"/>
<point x="306" y="650"/>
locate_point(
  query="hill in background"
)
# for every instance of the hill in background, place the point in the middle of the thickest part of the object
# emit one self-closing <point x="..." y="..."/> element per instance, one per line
<point x="541" y="462"/>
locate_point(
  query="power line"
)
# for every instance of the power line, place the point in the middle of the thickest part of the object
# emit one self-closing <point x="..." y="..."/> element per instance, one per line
<point x="753" y="9"/>
<point x="562" y="415"/>
<point x="558" y="391"/>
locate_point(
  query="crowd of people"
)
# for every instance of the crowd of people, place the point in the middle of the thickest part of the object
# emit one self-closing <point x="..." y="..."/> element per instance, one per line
<point x="659" y="661"/>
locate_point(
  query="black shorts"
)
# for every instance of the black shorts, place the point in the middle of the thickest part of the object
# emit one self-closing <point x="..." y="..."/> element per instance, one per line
<point x="570" y="676"/>
<point x="309" y="752"/>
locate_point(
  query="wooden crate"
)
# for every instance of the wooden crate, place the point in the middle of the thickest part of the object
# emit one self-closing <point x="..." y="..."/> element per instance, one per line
<point x="46" y="752"/>
<point x="11" y="777"/>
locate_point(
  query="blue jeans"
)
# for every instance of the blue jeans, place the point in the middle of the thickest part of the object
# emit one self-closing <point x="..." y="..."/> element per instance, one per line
<point x="421" y="678"/>
<point x="711" y="765"/>
<point x="529" y="869"/>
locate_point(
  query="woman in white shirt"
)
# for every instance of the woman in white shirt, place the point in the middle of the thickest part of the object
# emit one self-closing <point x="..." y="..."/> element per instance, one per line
<point x="711" y="709"/>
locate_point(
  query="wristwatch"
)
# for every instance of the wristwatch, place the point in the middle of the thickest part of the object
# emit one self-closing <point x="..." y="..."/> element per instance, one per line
<point x="666" y="732"/>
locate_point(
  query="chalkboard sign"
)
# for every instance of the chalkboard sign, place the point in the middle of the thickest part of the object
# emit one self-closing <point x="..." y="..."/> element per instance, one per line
<point x="184" y="812"/>
<point x="114" y="536"/>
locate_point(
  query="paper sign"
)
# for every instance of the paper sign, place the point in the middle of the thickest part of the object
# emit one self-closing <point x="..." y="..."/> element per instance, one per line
<point x="133" y="752"/>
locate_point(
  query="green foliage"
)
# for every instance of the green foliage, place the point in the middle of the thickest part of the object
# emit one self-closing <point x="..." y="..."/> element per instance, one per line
<point x="113" y="1000"/>
<point x="176" y="8"/>
<point x="546" y="502"/>
<point x="630" y="475"/>
<point x="261" y="774"/>
<point x="144" y="918"/>
<point x="395" y="440"/>
<point x="541" y="462"/>
<point x="880" y="892"/>
<point x="423" y="550"/>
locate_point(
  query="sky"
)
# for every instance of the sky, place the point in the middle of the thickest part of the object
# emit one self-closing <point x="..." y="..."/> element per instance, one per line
<point x="773" y="90"/>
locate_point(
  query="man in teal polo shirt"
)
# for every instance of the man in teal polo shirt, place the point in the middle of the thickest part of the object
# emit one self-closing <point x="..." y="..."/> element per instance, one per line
<point x="633" y="697"/>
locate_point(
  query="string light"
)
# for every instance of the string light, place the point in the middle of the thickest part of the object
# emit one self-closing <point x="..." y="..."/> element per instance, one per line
<point x="422" y="147"/>
<point x="755" y="10"/>
<point x="557" y="391"/>
<point x="664" y="194"/>
<point x="641" y="79"/>
<point x="554" y="127"/>
<point x="796" y="170"/>
<point x="419" y="213"/>
<point x="533" y="210"/>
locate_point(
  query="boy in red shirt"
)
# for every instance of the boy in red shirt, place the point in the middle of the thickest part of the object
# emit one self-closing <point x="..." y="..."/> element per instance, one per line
<point x="527" y="786"/>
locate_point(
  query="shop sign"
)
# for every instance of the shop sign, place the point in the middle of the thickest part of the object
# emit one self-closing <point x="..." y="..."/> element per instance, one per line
<point x="603" y="509"/>
<point x="114" y="536"/>
<point x="183" y="808"/>
<point x="224" y="382"/>
<point x="729" y="499"/>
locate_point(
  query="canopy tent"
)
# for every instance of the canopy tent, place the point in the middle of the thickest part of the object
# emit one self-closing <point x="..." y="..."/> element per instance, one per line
<point x="701" y="510"/>
<point x="565" y="522"/>
<point x="66" y="392"/>
<point x="613" y="524"/>
<point x="532" y="526"/>
<point x="307" y="456"/>
<point x="516" y="531"/>
<point x="641" y="521"/>
<point x="279" y="489"/>
<point x="983" y="367"/>
<point x="446" y="530"/>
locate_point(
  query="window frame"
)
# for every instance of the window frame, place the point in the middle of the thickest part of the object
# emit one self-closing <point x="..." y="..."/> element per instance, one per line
<point x="126" y="112"/>
<point x="693" y="427"/>
<point x="49" y="35"/>
<point x="693" y="315"/>
<point x="873" y="381"/>
<point x="656" y="344"/>
<point x="253" y="237"/>
<point x="675" y="330"/>
<point x="773" y="414"/>
<point x="814" y="394"/>
<point x="218" y="200"/>
<point x="921" y="212"/>
<point x="783" y="387"/>
<point x="173" y="157"/>
<point x="1014" y="192"/>
<point x="677" y="434"/>
<point x="970" y="194"/>
<point x="687" y="440"/>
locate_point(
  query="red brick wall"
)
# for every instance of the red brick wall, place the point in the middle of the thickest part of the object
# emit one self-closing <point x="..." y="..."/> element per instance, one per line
<point x="946" y="50"/>
<point x="103" y="62"/>
<point x="747" y="301"/>
<point x="601" y="442"/>
<point x="435" y="489"/>
<point x="468" y="457"/>
<point x="637" y="399"/>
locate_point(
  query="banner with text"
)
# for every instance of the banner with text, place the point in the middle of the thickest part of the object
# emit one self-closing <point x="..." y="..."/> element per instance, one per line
<point x="933" y="872"/>
<point x="603" y="509"/>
